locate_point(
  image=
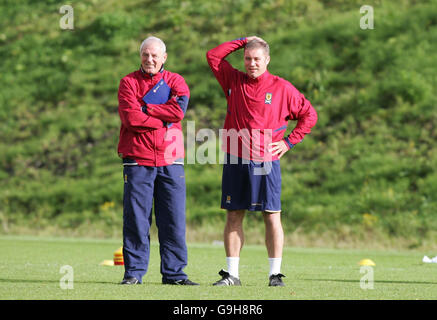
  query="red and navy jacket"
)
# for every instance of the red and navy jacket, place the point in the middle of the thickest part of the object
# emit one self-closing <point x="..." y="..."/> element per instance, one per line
<point x="151" y="132"/>
<point x="258" y="109"/>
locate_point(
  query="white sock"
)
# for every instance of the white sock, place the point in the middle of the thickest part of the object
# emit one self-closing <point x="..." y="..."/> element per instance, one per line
<point x="275" y="265"/>
<point x="232" y="263"/>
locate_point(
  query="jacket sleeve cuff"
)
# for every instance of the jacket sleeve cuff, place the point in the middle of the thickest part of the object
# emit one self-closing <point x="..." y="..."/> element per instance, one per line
<point x="289" y="144"/>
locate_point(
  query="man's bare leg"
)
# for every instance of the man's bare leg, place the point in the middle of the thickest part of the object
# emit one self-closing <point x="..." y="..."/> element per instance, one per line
<point x="234" y="240"/>
<point x="274" y="240"/>
<point x="233" y="233"/>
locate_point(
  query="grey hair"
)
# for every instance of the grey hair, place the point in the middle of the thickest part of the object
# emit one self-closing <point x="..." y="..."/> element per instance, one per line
<point x="153" y="39"/>
<point x="255" y="44"/>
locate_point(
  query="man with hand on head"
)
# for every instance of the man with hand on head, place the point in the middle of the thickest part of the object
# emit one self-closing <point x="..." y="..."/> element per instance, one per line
<point x="152" y="103"/>
<point x="259" y="106"/>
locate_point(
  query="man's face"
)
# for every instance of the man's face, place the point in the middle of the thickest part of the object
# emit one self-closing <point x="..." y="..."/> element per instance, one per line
<point x="255" y="62"/>
<point x="152" y="57"/>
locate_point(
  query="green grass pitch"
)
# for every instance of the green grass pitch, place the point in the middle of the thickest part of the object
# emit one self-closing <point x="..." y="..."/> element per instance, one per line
<point x="30" y="269"/>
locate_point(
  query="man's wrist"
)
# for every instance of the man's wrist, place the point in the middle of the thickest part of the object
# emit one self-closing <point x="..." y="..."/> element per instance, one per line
<point x="288" y="143"/>
<point x="244" y="42"/>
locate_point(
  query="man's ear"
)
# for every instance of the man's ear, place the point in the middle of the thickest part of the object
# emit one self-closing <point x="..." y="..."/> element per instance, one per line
<point x="165" y="57"/>
<point x="267" y="60"/>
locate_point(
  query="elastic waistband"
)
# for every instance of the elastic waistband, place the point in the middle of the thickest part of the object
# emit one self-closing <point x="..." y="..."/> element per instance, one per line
<point x="129" y="162"/>
<point x="232" y="159"/>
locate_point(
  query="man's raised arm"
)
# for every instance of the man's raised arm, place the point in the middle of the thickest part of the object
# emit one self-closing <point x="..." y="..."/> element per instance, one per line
<point x="219" y="66"/>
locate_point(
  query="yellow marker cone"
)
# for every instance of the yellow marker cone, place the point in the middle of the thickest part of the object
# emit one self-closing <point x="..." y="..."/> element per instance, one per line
<point x="107" y="263"/>
<point x="367" y="262"/>
<point x="118" y="257"/>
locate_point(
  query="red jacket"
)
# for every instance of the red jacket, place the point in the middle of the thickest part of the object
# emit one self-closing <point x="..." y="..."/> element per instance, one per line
<point x="258" y="109"/>
<point x="152" y="136"/>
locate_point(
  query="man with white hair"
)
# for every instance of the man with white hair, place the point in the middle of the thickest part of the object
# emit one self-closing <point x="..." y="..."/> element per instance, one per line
<point x="152" y="104"/>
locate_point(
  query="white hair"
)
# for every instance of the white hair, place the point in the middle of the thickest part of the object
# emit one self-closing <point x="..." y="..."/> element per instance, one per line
<point x="153" y="39"/>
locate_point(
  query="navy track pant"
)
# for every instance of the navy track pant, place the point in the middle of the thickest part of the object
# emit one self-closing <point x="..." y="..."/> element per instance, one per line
<point x="164" y="189"/>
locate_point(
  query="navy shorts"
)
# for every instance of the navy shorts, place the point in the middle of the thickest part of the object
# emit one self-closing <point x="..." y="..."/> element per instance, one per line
<point x="251" y="185"/>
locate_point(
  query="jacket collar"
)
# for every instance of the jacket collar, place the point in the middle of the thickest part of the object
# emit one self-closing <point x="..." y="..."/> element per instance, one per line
<point x="149" y="75"/>
<point x="261" y="78"/>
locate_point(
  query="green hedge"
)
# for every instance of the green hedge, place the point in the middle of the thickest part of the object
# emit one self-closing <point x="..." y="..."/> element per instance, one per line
<point x="369" y="163"/>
